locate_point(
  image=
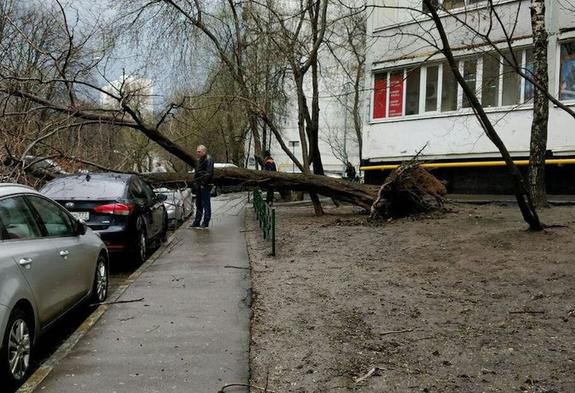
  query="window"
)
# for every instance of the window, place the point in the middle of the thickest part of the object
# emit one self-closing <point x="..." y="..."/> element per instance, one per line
<point x="511" y="80"/>
<point x="380" y="97"/>
<point x="431" y="88"/>
<point x="148" y="191"/>
<point x="413" y="86"/>
<point x="470" y="76"/>
<point x="450" y="4"/>
<point x="394" y="92"/>
<point x="490" y="82"/>
<point x="86" y="187"/>
<point x="449" y="92"/>
<point x="529" y="89"/>
<point x="55" y="220"/>
<point x="567" y="72"/>
<point x="396" y="80"/>
<point x="137" y="189"/>
<point x="16" y="220"/>
<point x="142" y="192"/>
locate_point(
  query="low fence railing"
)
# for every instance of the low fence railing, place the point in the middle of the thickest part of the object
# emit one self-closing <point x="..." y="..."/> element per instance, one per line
<point x="266" y="216"/>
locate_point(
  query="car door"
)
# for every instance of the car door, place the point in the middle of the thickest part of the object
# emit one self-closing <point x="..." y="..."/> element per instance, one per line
<point x="35" y="256"/>
<point x="76" y="261"/>
<point x="157" y="207"/>
<point x="145" y="205"/>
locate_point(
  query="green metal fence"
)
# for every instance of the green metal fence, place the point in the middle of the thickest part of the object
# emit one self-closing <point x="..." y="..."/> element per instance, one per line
<point x="266" y="215"/>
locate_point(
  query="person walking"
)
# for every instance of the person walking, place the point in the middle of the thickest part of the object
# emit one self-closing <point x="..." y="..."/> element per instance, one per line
<point x="269" y="165"/>
<point x="202" y="181"/>
<point x="350" y="172"/>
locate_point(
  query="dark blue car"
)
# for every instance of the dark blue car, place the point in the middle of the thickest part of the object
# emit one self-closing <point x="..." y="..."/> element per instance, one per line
<point x="121" y="208"/>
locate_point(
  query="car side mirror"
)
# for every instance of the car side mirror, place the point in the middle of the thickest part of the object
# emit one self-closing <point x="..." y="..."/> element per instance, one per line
<point x="81" y="228"/>
<point x="161" y="197"/>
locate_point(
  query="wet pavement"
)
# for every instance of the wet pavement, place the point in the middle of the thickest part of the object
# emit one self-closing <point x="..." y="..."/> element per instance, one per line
<point x="63" y="328"/>
<point x="187" y="329"/>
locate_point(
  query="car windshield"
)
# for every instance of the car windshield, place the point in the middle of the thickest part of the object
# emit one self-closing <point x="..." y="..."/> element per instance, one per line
<point x="86" y="188"/>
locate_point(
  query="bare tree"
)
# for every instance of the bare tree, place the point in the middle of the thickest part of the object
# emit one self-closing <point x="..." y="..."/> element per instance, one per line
<point x="539" y="128"/>
<point x="348" y="43"/>
<point x="20" y="86"/>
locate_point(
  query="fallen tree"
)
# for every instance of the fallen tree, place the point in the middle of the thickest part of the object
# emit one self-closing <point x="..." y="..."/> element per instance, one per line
<point x="408" y="190"/>
<point x="354" y="193"/>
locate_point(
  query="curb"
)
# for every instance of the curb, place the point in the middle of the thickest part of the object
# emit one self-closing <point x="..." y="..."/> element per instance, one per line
<point x="34" y="381"/>
<point x="505" y="202"/>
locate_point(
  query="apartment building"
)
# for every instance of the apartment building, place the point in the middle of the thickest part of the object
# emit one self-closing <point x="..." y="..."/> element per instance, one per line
<point x="415" y="104"/>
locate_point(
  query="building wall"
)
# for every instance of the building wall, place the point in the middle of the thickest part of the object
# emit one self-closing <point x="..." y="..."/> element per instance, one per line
<point x="335" y="127"/>
<point x="452" y="135"/>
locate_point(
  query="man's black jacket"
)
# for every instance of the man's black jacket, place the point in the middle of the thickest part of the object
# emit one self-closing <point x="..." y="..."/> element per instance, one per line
<point x="204" y="171"/>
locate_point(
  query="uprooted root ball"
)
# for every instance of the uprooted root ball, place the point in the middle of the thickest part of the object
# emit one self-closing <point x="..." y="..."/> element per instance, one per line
<point x="408" y="190"/>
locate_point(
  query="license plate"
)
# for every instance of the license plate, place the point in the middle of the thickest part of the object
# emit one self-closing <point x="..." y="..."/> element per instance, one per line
<point x="81" y="216"/>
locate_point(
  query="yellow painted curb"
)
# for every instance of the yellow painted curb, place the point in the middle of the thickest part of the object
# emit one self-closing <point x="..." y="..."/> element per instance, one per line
<point x="48" y="365"/>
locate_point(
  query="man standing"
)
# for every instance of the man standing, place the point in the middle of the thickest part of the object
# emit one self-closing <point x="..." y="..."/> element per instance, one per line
<point x="202" y="181"/>
<point x="269" y="165"/>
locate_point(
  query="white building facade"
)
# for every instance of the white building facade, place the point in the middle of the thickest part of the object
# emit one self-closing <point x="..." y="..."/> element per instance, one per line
<point x="338" y="140"/>
<point x="414" y="103"/>
<point x="337" y="136"/>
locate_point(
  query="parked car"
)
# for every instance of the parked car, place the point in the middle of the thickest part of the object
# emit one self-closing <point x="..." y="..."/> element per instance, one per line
<point x="179" y="204"/>
<point x="49" y="263"/>
<point x="45" y="164"/>
<point x="188" y="199"/>
<point x="174" y="205"/>
<point x="121" y="208"/>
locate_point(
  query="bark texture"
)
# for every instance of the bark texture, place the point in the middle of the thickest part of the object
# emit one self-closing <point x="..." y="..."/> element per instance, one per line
<point x="539" y="127"/>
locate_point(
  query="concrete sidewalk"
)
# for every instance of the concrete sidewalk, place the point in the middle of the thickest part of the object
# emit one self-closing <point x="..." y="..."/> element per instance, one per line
<point x="190" y="333"/>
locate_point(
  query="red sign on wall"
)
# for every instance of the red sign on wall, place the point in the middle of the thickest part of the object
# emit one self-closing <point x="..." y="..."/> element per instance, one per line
<point x="380" y="97"/>
<point x="396" y="95"/>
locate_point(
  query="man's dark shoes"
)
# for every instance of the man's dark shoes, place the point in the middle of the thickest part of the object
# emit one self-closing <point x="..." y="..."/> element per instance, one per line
<point x="195" y="225"/>
<point x="205" y="225"/>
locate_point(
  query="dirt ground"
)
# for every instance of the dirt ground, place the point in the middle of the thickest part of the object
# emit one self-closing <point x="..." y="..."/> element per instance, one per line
<point x="467" y="301"/>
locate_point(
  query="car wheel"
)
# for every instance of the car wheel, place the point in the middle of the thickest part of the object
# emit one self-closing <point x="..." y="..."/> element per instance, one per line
<point x="101" y="280"/>
<point x="16" y="353"/>
<point x="164" y="234"/>
<point x="140" y="250"/>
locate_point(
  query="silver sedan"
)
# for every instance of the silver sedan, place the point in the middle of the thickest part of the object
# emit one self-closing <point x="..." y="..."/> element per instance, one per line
<point x="49" y="263"/>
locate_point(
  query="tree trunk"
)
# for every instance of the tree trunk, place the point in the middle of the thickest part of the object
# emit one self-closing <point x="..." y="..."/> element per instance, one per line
<point x="303" y="115"/>
<point x="408" y="190"/>
<point x="539" y="127"/>
<point x="522" y="194"/>
<point x="355" y="193"/>
<point x="313" y="125"/>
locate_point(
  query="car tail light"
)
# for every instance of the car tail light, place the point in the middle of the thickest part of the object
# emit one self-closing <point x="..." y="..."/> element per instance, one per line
<point x="117" y="209"/>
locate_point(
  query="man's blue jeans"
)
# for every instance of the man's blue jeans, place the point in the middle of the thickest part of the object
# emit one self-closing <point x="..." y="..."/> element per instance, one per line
<point x="203" y="205"/>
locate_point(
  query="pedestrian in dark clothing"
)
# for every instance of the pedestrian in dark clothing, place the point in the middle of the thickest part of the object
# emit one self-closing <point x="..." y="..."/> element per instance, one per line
<point x="269" y="165"/>
<point x="203" y="184"/>
<point x="350" y="172"/>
